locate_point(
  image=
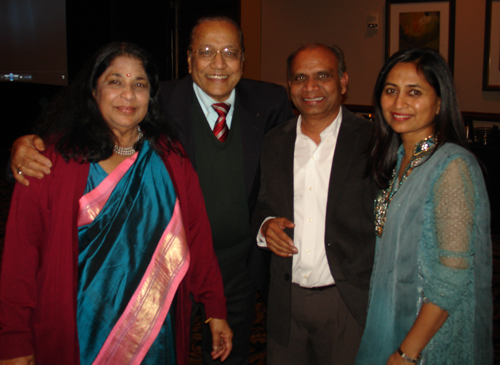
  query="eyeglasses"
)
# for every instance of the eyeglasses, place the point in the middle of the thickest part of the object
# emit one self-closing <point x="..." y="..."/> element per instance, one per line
<point x="208" y="53"/>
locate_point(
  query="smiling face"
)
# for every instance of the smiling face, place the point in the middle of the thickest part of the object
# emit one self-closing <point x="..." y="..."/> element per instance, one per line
<point x="122" y="94"/>
<point x="216" y="77"/>
<point x="315" y="86"/>
<point x="409" y="104"/>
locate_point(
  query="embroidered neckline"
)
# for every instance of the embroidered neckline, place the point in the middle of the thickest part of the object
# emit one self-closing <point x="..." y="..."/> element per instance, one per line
<point x="421" y="151"/>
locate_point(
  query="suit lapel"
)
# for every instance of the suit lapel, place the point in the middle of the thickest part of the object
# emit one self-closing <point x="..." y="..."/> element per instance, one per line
<point x="180" y="114"/>
<point x="252" y="133"/>
<point x="286" y="150"/>
<point x="347" y="142"/>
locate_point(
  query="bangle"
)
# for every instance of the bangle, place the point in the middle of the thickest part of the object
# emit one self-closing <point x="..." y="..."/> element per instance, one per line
<point x="406" y="357"/>
<point x="208" y="320"/>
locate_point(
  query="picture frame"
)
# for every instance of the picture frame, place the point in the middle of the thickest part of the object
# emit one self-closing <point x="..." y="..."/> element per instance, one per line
<point x="491" y="67"/>
<point x="421" y="23"/>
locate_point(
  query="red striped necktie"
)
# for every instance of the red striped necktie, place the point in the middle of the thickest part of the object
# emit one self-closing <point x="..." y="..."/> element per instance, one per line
<point x="220" y="130"/>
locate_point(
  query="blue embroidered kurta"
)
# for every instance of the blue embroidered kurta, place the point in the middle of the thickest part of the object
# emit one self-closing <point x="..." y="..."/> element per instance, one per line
<point x="435" y="247"/>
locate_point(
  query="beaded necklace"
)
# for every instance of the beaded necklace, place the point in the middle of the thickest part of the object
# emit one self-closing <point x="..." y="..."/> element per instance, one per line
<point x="384" y="198"/>
<point x="128" y="151"/>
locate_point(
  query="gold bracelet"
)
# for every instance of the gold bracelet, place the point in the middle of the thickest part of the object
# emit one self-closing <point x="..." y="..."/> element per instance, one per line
<point x="208" y="320"/>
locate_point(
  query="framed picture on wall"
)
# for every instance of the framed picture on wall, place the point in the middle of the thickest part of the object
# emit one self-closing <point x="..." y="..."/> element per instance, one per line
<point x="491" y="68"/>
<point x="421" y="23"/>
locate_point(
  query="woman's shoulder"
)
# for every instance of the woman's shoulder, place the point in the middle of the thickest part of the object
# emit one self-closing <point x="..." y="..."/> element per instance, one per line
<point x="58" y="161"/>
<point x="456" y="162"/>
<point x="175" y="159"/>
<point x="454" y="149"/>
<point x="453" y="153"/>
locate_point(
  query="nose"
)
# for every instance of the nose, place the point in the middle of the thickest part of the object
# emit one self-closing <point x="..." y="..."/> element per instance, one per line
<point x="400" y="101"/>
<point x="128" y="92"/>
<point x="219" y="62"/>
<point x="311" y="84"/>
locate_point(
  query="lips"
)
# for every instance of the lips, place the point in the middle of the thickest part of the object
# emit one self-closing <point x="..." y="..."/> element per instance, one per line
<point x="319" y="98"/>
<point x="401" y="117"/>
<point x="217" y="77"/>
<point x="126" y="109"/>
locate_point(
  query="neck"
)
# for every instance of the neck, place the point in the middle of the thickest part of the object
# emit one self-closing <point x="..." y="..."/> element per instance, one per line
<point x="126" y="139"/>
<point x="409" y="143"/>
<point x="313" y="126"/>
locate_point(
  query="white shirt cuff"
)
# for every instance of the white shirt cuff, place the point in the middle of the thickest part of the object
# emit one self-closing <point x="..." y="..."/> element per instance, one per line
<point x="261" y="240"/>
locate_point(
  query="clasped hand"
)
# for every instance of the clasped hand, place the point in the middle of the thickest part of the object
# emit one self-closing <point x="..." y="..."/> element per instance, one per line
<point x="277" y="240"/>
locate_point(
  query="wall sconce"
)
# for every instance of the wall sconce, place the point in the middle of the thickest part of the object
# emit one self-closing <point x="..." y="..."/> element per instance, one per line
<point x="372" y="21"/>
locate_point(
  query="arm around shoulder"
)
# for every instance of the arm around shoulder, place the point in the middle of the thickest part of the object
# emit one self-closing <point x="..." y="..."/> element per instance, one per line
<point x="26" y="159"/>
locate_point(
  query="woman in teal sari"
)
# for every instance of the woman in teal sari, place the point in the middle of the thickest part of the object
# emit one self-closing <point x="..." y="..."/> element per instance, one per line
<point x="100" y="257"/>
<point x="430" y="290"/>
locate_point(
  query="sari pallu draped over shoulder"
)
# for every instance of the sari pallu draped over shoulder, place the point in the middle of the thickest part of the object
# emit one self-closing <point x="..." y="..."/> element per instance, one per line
<point x="133" y="256"/>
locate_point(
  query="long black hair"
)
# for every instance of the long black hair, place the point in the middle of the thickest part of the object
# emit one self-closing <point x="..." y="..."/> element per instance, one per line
<point x="448" y="123"/>
<point x="74" y="123"/>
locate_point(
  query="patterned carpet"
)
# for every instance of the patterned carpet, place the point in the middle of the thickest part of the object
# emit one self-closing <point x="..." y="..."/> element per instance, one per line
<point x="258" y="338"/>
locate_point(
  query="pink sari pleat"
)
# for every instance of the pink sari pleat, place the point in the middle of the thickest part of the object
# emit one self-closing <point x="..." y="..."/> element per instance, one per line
<point x="92" y="203"/>
<point x="140" y="323"/>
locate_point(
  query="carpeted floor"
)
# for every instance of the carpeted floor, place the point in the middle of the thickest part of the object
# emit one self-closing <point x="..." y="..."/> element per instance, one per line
<point x="258" y="338"/>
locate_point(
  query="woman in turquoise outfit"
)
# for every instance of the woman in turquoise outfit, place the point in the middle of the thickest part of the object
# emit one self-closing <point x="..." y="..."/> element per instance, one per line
<point x="430" y="294"/>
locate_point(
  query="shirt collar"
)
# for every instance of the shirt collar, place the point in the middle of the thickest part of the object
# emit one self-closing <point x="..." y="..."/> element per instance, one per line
<point x="206" y="101"/>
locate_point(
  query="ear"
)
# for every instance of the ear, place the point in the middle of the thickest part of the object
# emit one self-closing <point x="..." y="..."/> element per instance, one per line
<point x="439" y="106"/>
<point x="189" y="56"/>
<point x="343" y="82"/>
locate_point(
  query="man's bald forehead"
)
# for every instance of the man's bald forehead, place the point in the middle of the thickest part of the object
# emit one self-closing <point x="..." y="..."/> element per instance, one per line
<point x="214" y="19"/>
<point x="336" y="51"/>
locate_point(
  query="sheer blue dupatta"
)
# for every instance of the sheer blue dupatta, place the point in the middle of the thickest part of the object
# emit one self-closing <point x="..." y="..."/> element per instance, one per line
<point x="133" y="255"/>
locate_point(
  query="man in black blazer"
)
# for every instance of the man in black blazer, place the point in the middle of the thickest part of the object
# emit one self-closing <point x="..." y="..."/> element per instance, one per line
<point x="315" y="213"/>
<point x="228" y="170"/>
<point x="230" y="191"/>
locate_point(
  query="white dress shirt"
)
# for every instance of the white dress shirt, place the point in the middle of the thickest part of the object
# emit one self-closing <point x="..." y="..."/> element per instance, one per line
<point x="311" y="170"/>
<point x="209" y="112"/>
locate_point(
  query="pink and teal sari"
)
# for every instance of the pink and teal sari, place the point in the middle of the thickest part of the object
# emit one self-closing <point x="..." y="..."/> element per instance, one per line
<point x="132" y="257"/>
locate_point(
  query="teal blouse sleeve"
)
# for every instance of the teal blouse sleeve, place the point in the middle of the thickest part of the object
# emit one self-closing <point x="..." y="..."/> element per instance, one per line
<point x="448" y="251"/>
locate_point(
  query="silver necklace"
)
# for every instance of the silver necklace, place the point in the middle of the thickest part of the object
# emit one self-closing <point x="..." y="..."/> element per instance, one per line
<point x="128" y="151"/>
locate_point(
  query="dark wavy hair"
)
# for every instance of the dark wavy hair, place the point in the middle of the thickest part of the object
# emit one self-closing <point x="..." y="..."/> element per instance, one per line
<point x="448" y="123"/>
<point x="74" y="123"/>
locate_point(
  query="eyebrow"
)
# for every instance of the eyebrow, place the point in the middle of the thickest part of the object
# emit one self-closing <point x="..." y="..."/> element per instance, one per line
<point x="324" y="72"/>
<point x="117" y="74"/>
<point x="411" y="85"/>
<point x="223" y="47"/>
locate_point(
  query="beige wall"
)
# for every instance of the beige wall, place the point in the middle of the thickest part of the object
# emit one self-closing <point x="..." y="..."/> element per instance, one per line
<point x="286" y="24"/>
<point x="251" y="27"/>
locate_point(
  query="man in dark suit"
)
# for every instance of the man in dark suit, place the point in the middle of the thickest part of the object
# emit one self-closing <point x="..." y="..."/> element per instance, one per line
<point x="228" y="169"/>
<point x="315" y="213"/>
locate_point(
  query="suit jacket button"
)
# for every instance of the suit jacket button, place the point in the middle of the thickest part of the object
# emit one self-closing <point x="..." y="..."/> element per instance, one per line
<point x="287" y="277"/>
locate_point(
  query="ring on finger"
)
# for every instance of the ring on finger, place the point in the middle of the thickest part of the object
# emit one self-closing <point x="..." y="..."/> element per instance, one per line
<point x="19" y="172"/>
